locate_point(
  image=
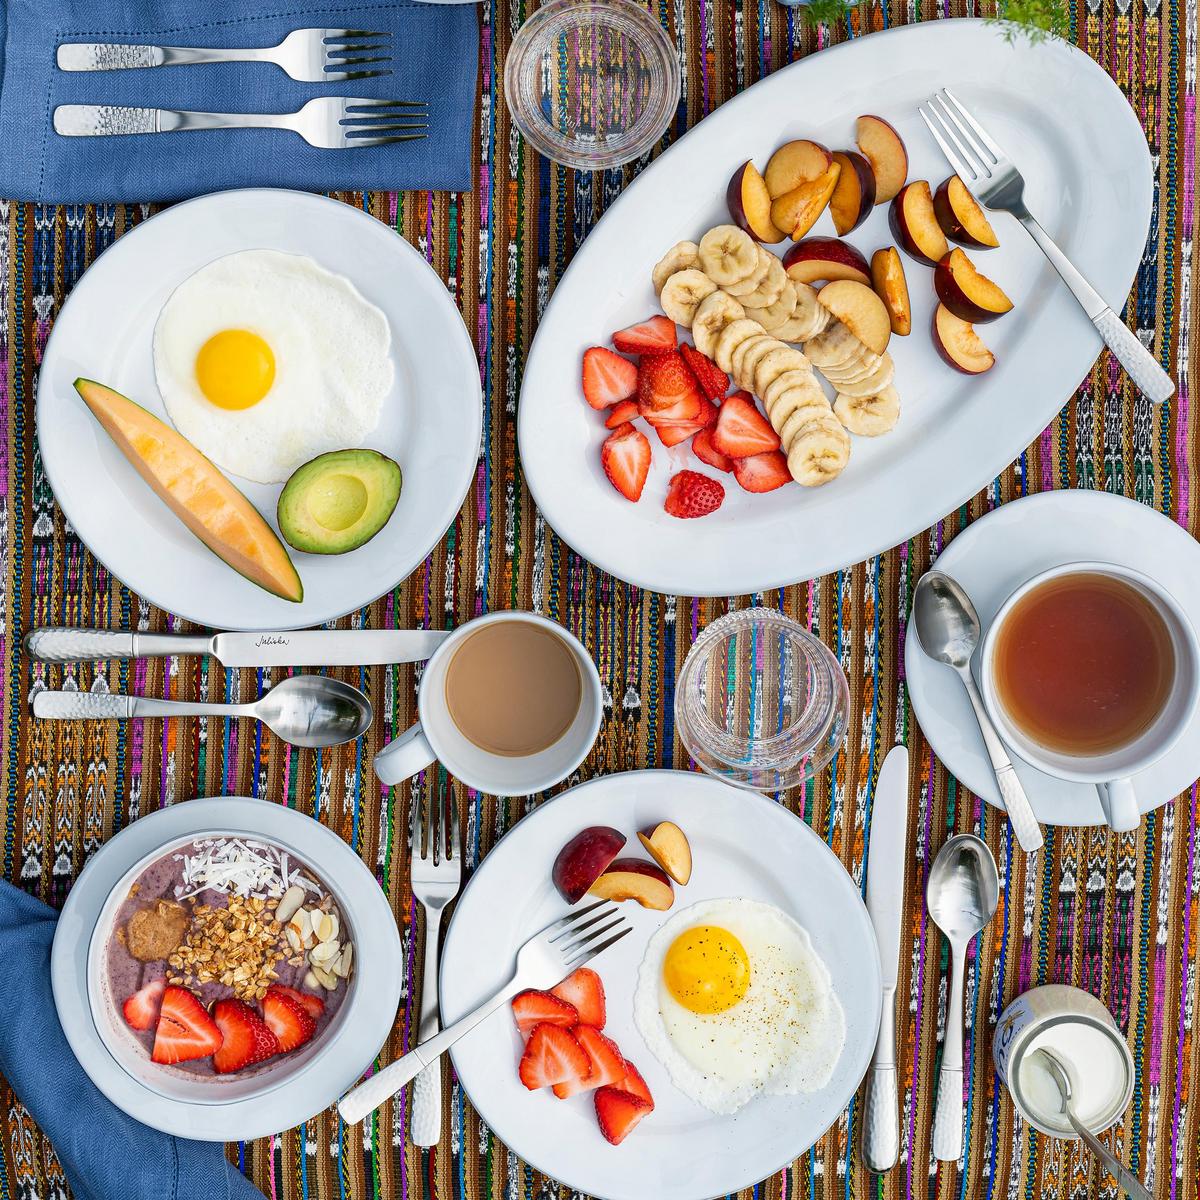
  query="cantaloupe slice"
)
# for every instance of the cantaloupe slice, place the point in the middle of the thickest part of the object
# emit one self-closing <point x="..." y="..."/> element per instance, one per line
<point x="195" y="491"/>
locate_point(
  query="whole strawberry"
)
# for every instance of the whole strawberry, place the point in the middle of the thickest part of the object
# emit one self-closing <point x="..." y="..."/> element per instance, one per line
<point x="691" y="494"/>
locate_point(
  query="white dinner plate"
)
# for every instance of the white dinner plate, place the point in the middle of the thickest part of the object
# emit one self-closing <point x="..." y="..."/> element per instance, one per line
<point x="1088" y="177"/>
<point x="743" y="844"/>
<point x="430" y="425"/>
<point x="348" y="1046"/>
<point x="991" y="558"/>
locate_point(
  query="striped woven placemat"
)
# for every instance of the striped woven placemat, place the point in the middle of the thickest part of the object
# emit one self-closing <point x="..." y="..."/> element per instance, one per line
<point x="1114" y="914"/>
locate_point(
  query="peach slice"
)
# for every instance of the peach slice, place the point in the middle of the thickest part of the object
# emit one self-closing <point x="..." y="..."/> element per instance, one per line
<point x="960" y="216"/>
<point x="884" y="150"/>
<point x="891" y="286"/>
<point x="584" y="858"/>
<point x="860" y="310"/>
<point x="795" y="163"/>
<point x="635" y="879"/>
<point x="797" y="211"/>
<point x="825" y="258"/>
<point x="915" y="226"/>
<point x="854" y="196"/>
<point x="750" y="204"/>
<point x="965" y="292"/>
<point x="667" y="844"/>
<point x="959" y="345"/>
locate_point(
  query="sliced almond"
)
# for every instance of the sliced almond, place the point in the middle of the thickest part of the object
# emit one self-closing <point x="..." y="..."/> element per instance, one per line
<point x="289" y="903"/>
<point x="311" y="981"/>
<point x="326" y="978"/>
<point x="325" y="927"/>
<point x="323" y="953"/>
<point x="345" y="961"/>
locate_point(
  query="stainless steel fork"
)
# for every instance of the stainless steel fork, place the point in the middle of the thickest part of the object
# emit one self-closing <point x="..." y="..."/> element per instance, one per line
<point x="436" y="878"/>
<point x="329" y="123"/>
<point x="546" y="959"/>
<point x="996" y="183"/>
<point x="309" y="55"/>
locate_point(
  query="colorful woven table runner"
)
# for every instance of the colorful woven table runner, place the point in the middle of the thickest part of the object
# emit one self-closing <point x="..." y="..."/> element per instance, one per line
<point x="1116" y="915"/>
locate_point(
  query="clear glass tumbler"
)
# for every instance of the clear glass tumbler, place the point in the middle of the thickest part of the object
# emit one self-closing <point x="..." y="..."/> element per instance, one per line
<point x="760" y="702"/>
<point x="592" y="83"/>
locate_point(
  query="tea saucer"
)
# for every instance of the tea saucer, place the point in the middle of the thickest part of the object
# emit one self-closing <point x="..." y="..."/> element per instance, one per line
<point x="991" y="558"/>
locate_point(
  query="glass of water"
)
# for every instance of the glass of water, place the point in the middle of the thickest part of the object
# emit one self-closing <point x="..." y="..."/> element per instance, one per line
<point x="592" y="83"/>
<point x="760" y="702"/>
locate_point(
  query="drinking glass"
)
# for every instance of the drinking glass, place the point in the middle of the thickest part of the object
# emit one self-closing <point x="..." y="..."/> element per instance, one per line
<point x="760" y="702"/>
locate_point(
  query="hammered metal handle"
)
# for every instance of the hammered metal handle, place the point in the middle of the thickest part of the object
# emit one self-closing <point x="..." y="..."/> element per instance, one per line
<point x="106" y="56"/>
<point x="948" y="1116"/>
<point x="881" y="1121"/>
<point x="78" y="645"/>
<point x="82" y="706"/>
<point x="101" y="120"/>
<point x="1140" y="365"/>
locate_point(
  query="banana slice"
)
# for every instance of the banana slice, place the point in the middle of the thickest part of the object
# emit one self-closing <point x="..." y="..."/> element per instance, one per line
<point x="809" y="318"/>
<point x="682" y="292"/>
<point x="771" y="288"/>
<point x="874" y="382"/>
<point x="682" y="256"/>
<point x="745" y="286"/>
<point x="730" y="338"/>
<point x="857" y="367"/>
<point x="773" y="364"/>
<point x="752" y="357"/>
<point x="810" y="409"/>
<point x="775" y="316"/>
<point x="712" y="314"/>
<point x="818" y="452"/>
<point x="743" y="349"/>
<point x="833" y="347"/>
<point x="796" y="377"/>
<point x="869" y="416"/>
<point x="728" y="254"/>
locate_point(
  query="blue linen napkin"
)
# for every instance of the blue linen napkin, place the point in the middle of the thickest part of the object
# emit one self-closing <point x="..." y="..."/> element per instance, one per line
<point x="105" y="1154"/>
<point x="435" y="50"/>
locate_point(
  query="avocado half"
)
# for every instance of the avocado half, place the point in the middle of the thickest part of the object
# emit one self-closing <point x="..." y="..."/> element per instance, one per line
<point x="338" y="501"/>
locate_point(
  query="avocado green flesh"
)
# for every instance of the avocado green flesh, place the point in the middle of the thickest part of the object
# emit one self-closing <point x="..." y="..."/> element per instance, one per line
<point x="338" y="501"/>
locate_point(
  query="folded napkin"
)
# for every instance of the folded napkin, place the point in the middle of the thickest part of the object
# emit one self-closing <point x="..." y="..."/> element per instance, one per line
<point x="104" y="1153"/>
<point x="435" y="51"/>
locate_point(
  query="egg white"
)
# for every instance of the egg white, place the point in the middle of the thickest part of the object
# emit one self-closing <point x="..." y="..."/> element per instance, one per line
<point x="784" y="1036"/>
<point x="332" y="351"/>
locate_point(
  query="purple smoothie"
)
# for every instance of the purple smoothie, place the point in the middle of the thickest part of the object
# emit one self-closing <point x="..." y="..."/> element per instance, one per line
<point x="126" y="974"/>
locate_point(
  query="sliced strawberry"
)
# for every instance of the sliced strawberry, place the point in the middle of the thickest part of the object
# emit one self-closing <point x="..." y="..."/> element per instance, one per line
<point x="655" y="335"/>
<point x="287" y="1020"/>
<point x="691" y="494"/>
<point x="704" y="416"/>
<point x="185" y="1030"/>
<point x="607" y="1065"/>
<point x="313" y="1005"/>
<point x="584" y="992"/>
<point x="762" y="472"/>
<point x="532" y="1008"/>
<point x="741" y="429"/>
<point x="634" y="1084"/>
<point x="141" y="1009"/>
<point x="672" y="433"/>
<point x="552" y="1055"/>
<point x="618" y="1112"/>
<point x="706" y="452"/>
<point x="626" y="458"/>
<point x="622" y="414"/>
<point x="667" y="387"/>
<point x="607" y="377"/>
<point x="714" y="383"/>
<point x="247" y="1038"/>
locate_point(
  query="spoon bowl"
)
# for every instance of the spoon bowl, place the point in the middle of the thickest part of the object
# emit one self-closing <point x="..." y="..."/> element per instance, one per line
<point x="314" y="711"/>
<point x="946" y="620"/>
<point x="963" y="889"/>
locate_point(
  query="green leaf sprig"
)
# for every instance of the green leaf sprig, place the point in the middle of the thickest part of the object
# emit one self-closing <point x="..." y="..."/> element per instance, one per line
<point x="1035" y="20"/>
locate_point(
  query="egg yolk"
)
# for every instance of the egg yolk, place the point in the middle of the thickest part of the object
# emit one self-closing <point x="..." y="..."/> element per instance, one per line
<point x="707" y="969"/>
<point x="235" y="368"/>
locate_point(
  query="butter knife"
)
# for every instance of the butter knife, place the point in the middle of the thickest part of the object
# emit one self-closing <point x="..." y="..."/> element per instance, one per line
<point x="886" y="859"/>
<point x="295" y="648"/>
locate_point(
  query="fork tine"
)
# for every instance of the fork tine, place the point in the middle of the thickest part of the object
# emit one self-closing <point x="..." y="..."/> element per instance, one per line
<point x="339" y="63"/>
<point x="418" y="846"/>
<point x="960" y="133"/>
<point x="352" y="105"/>
<point x="341" y="53"/>
<point x="437" y="817"/>
<point x="576" y="946"/>
<point x="588" y="955"/>
<point x="456" y="848"/>
<point x="580" y="926"/>
<point x="962" y="167"/>
<point x="361" y="137"/>
<point x="340" y="76"/>
<point x="997" y="153"/>
<point x="334" y="35"/>
<point x="572" y="917"/>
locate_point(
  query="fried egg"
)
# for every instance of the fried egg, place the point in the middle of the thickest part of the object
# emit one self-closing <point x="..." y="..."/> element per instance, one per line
<point x="265" y="360"/>
<point x="734" y="1001"/>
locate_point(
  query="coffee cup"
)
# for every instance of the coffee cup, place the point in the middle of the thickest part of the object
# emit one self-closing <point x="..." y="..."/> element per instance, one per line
<point x="1111" y="768"/>
<point x="495" y="761"/>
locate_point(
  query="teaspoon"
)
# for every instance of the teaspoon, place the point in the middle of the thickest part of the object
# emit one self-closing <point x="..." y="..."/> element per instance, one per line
<point x="304" y="710"/>
<point x="948" y="630"/>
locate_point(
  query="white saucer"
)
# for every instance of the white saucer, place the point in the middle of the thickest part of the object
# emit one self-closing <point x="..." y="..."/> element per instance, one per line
<point x="991" y="558"/>
<point x="743" y="844"/>
<point x="342" y="1055"/>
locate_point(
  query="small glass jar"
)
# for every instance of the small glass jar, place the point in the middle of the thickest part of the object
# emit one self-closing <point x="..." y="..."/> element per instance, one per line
<point x="760" y="702"/>
<point x="592" y="83"/>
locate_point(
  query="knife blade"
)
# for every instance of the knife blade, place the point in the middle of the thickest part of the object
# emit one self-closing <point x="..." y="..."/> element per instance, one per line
<point x="293" y="648"/>
<point x="887" y="856"/>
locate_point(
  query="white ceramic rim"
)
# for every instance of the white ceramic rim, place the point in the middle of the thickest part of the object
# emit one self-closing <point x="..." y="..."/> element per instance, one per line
<point x="369" y="1013"/>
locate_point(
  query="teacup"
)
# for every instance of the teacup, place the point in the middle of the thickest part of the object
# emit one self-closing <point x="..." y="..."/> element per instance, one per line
<point x="436" y="737"/>
<point x="1111" y="769"/>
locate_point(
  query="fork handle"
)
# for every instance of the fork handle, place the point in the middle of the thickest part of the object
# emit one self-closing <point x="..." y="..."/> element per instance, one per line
<point x="103" y="120"/>
<point x="363" y="1100"/>
<point x="114" y="56"/>
<point x="1139" y="363"/>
